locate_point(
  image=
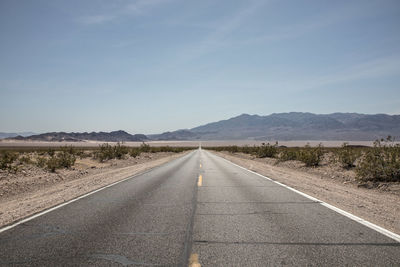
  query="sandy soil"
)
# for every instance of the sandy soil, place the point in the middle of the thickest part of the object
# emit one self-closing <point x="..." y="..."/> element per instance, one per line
<point x="377" y="203"/>
<point x="33" y="189"/>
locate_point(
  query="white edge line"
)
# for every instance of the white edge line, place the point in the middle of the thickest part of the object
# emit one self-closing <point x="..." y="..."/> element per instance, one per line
<point x="77" y="198"/>
<point x="375" y="227"/>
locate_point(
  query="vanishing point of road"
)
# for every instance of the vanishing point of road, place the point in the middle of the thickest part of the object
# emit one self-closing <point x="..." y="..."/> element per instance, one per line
<point x="196" y="210"/>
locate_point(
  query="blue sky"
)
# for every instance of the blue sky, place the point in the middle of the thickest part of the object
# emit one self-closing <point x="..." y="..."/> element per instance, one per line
<point x="149" y="66"/>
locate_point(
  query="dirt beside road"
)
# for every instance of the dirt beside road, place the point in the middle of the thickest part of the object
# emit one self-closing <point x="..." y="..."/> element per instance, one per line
<point x="331" y="184"/>
<point x="33" y="189"/>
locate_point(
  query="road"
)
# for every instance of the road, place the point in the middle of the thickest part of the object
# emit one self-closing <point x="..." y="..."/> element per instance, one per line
<point x="200" y="207"/>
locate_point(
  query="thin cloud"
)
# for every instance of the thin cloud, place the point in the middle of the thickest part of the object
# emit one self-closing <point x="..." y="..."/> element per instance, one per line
<point x="286" y="32"/>
<point x="95" y="19"/>
<point x="377" y="68"/>
<point x="139" y="7"/>
<point x="123" y="44"/>
<point x="216" y="39"/>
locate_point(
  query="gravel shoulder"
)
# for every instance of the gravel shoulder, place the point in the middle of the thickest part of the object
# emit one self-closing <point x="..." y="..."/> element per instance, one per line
<point x="333" y="185"/>
<point x="32" y="189"/>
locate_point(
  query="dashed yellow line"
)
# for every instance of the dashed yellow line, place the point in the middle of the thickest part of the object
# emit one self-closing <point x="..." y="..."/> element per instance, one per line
<point x="200" y="165"/>
<point x="194" y="260"/>
<point x="200" y="181"/>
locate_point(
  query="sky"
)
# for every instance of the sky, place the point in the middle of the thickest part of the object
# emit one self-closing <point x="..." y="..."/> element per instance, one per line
<point x="149" y="66"/>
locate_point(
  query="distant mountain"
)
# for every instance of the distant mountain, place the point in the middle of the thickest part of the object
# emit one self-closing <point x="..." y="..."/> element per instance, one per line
<point x="277" y="126"/>
<point x="115" y="136"/>
<point x="176" y="135"/>
<point x="7" y="135"/>
<point x="294" y="126"/>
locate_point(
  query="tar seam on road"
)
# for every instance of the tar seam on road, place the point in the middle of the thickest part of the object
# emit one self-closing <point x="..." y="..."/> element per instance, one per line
<point x="189" y="230"/>
<point x="12" y="225"/>
<point x="353" y="217"/>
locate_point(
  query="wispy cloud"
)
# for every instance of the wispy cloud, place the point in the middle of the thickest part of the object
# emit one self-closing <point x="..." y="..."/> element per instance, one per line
<point x="216" y="38"/>
<point x="95" y="19"/>
<point x="139" y="7"/>
<point x="377" y="68"/>
<point x="123" y="44"/>
<point x="220" y="37"/>
<point x="342" y="14"/>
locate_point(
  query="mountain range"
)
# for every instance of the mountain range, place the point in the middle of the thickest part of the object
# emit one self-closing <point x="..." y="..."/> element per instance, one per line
<point x="277" y="126"/>
<point x="8" y="135"/>
<point x="293" y="126"/>
<point x="115" y="136"/>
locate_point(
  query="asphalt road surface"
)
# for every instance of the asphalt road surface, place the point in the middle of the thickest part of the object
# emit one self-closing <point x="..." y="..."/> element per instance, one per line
<point x="198" y="207"/>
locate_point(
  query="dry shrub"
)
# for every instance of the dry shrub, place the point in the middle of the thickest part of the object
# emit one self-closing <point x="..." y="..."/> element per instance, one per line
<point x="62" y="159"/>
<point x="311" y="156"/>
<point x="348" y="155"/>
<point x="287" y="154"/>
<point x="380" y="163"/>
<point x="267" y="150"/>
<point x="7" y="159"/>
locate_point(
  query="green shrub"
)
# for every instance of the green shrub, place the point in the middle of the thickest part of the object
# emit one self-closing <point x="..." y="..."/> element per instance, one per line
<point x="134" y="152"/>
<point x="107" y="152"/>
<point x="234" y="149"/>
<point x="51" y="152"/>
<point x="25" y="159"/>
<point x="348" y="155"/>
<point x="267" y="150"/>
<point x="145" y="148"/>
<point x="6" y="160"/>
<point x="155" y="149"/>
<point x="66" y="159"/>
<point x="85" y="154"/>
<point x="152" y="149"/>
<point x="162" y="149"/>
<point x="380" y="163"/>
<point x="41" y="162"/>
<point x="120" y="151"/>
<point x="41" y="152"/>
<point x="311" y="156"/>
<point x="62" y="159"/>
<point x="287" y="154"/>
<point x="52" y="164"/>
<point x="181" y="149"/>
<point x="70" y="149"/>
<point x="249" y="150"/>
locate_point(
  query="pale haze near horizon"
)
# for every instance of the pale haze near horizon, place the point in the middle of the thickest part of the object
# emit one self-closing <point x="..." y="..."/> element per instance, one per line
<point x="150" y="66"/>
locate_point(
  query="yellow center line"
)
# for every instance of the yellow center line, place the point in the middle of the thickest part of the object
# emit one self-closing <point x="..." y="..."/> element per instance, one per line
<point x="194" y="260"/>
<point x="200" y="165"/>
<point x="200" y="181"/>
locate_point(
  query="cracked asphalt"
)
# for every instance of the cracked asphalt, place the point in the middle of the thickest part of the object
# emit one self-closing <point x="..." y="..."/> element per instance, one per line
<point x="228" y="217"/>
